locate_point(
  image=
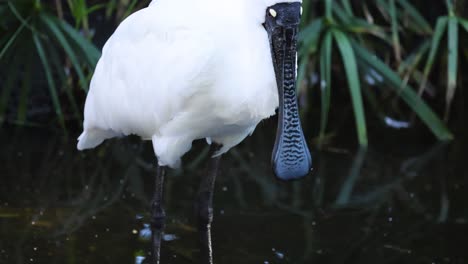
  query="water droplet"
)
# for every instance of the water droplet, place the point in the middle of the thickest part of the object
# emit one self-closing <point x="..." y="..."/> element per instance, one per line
<point x="396" y="123"/>
<point x="145" y="233"/>
<point x="139" y="259"/>
<point x="169" y="237"/>
<point x="279" y="255"/>
<point x="323" y="84"/>
<point x="369" y="80"/>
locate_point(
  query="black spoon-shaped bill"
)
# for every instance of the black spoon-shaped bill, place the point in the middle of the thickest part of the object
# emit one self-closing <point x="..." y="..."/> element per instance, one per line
<point x="291" y="158"/>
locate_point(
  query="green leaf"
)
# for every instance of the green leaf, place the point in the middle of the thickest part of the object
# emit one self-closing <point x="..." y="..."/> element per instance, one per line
<point x="53" y="27"/>
<point x="25" y="89"/>
<point x="421" y="22"/>
<point x="350" y="65"/>
<point x="411" y="98"/>
<point x="58" y="66"/>
<point x="306" y="5"/>
<point x="452" y="63"/>
<point x="463" y="23"/>
<point x="357" y="25"/>
<point x="414" y="58"/>
<point x="88" y="49"/>
<point x="438" y="33"/>
<point x="309" y="37"/>
<point x="347" y="6"/>
<point x="11" y="40"/>
<point x="395" y="34"/>
<point x="328" y="10"/>
<point x="50" y="80"/>
<point x="325" y="81"/>
<point x="303" y="63"/>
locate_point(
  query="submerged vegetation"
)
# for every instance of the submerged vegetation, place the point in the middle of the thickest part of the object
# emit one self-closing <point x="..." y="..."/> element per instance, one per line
<point x="392" y="54"/>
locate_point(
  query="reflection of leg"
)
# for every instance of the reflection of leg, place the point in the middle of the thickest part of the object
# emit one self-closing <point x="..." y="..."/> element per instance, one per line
<point x="205" y="244"/>
<point x="157" y="213"/>
<point x="205" y="194"/>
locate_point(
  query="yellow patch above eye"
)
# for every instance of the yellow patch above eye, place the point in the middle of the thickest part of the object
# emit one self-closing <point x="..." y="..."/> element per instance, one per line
<point x="273" y="12"/>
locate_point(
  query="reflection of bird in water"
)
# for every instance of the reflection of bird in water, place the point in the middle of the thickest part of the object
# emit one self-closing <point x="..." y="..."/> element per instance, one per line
<point x="182" y="70"/>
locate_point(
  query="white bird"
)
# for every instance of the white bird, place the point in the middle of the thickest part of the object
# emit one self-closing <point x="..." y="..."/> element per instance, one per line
<point x="182" y="70"/>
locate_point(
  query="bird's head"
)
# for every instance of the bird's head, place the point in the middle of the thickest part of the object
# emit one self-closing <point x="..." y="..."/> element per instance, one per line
<point x="291" y="158"/>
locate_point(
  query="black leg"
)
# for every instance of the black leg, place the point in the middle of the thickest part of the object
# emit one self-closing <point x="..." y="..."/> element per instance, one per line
<point x="157" y="213"/>
<point x="204" y="204"/>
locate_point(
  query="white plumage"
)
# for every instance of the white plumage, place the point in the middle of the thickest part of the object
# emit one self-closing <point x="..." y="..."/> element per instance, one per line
<point x="181" y="70"/>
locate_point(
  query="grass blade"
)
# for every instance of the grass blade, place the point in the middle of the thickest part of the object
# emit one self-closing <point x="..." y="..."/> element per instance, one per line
<point x="25" y="89"/>
<point x="88" y="49"/>
<point x="309" y="37"/>
<point x="438" y="33"/>
<point x="50" y="80"/>
<point x="304" y="62"/>
<point x="411" y="98"/>
<point x="351" y="68"/>
<point x="347" y="6"/>
<point x="53" y="27"/>
<point x="325" y="83"/>
<point x="463" y="23"/>
<point x="11" y="40"/>
<point x="452" y="63"/>
<point x="328" y="10"/>
<point x="422" y="23"/>
<point x="57" y="64"/>
<point x="395" y="33"/>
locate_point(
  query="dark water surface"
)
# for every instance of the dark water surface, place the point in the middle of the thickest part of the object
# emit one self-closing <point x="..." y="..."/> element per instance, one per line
<point x="400" y="201"/>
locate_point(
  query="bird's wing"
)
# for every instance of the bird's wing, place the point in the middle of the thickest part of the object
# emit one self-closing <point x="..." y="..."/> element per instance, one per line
<point x="149" y="68"/>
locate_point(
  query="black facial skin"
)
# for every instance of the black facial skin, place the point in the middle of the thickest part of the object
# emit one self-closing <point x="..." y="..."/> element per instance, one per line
<point x="291" y="158"/>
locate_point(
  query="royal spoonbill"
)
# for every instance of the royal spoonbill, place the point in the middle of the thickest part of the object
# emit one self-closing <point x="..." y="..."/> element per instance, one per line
<point x="181" y="70"/>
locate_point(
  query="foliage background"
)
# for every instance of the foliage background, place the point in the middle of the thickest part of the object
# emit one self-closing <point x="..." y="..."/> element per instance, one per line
<point x="396" y="62"/>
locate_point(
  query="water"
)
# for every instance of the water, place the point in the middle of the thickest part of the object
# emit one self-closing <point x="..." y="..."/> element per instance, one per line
<point x="403" y="200"/>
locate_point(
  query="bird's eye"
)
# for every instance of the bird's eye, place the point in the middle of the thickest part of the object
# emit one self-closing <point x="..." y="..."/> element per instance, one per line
<point x="272" y="12"/>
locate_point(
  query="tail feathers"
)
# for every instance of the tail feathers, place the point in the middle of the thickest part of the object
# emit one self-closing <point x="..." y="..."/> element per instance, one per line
<point x="93" y="137"/>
